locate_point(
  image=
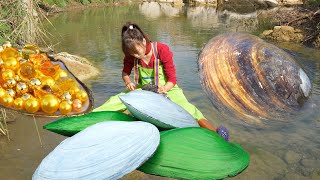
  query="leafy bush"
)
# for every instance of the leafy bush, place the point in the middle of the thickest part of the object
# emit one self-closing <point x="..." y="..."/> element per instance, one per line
<point x="85" y="2"/>
<point x="4" y="30"/>
<point x="59" y="3"/>
<point x="314" y="3"/>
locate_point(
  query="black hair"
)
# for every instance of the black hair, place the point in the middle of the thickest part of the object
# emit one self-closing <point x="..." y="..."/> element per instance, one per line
<point x="132" y="35"/>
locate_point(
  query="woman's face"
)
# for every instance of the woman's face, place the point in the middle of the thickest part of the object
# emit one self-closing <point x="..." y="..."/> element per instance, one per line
<point x="140" y="50"/>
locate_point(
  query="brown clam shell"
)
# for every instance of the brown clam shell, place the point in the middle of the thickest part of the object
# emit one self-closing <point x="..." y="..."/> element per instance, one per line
<point x="251" y="78"/>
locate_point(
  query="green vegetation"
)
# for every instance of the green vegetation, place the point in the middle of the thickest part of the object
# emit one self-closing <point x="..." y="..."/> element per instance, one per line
<point x="63" y="3"/>
<point x="20" y="20"/>
<point x="59" y="3"/>
<point x="314" y="3"/>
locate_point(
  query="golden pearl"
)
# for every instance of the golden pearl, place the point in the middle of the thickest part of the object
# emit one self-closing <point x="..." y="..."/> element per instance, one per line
<point x="74" y="90"/>
<point x="66" y="95"/>
<point x="18" y="103"/>
<point x="7" y="100"/>
<point x="7" y="74"/>
<point x="11" y="83"/>
<point x="49" y="104"/>
<point x="35" y="83"/>
<point x="17" y="78"/>
<point x="65" y="107"/>
<point x="32" y="105"/>
<point x="82" y="95"/>
<point x="47" y="80"/>
<point x="9" y="52"/>
<point x="27" y="71"/>
<point x="22" y="88"/>
<point x="61" y="73"/>
<point x="26" y="96"/>
<point x="11" y="92"/>
<point x="11" y="63"/>
<point x="2" y="92"/>
<point x="76" y="105"/>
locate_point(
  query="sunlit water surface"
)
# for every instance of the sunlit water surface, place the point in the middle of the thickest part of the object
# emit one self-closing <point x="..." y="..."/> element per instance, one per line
<point x="289" y="150"/>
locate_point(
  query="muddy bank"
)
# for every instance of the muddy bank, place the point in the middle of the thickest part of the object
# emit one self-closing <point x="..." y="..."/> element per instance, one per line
<point x="295" y="24"/>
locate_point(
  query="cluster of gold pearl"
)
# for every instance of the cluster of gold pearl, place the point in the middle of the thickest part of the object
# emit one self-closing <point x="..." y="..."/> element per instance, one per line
<point x="24" y="86"/>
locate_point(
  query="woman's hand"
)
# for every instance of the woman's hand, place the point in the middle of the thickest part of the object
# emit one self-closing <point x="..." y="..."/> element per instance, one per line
<point x="167" y="87"/>
<point x="162" y="89"/>
<point x="131" y="86"/>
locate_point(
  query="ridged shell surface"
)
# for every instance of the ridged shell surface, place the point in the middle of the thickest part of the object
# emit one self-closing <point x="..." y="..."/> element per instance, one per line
<point x="106" y="150"/>
<point x="255" y="80"/>
<point x="158" y="110"/>
<point x="196" y="153"/>
<point x="69" y="126"/>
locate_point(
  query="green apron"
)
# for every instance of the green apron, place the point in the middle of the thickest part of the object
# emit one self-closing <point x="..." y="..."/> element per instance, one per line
<point x="143" y="76"/>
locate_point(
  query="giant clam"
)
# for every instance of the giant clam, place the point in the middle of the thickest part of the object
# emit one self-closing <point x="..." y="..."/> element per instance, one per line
<point x="251" y="78"/>
<point x="106" y="150"/>
<point x="157" y="110"/>
<point x="196" y="153"/>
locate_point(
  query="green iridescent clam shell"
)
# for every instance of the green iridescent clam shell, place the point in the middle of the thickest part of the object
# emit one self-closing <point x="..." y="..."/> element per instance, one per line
<point x="196" y="153"/>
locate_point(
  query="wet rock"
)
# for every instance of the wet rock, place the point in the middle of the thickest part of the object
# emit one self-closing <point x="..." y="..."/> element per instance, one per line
<point x="311" y="163"/>
<point x="78" y="66"/>
<point x="262" y="164"/>
<point x="291" y="2"/>
<point x="203" y="1"/>
<point x="317" y="42"/>
<point x="315" y="175"/>
<point x="292" y="157"/>
<point x="284" y="33"/>
<point x="172" y="1"/>
<point x="267" y="33"/>
<point x="293" y="176"/>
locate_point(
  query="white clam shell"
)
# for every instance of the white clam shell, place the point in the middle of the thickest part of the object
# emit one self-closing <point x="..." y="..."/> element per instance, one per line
<point x="158" y="110"/>
<point x="106" y="150"/>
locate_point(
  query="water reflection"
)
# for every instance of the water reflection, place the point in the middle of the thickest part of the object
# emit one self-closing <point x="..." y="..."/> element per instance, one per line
<point x="204" y="17"/>
<point x="153" y="10"/>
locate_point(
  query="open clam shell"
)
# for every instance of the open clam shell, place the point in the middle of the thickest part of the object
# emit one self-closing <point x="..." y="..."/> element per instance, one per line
<point x="251" y="78"/>
<point x="86" y="106"/>
<point x="69" y="126"/>
<point x="157" y="109"/>
<point x="106" y="150"/>
<point x="196" y="153"/>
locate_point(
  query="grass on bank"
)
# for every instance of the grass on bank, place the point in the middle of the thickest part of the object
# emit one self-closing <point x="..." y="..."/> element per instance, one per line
<point x="63" y="3"/>
<point x="3" y="123"/>
<point x="21" y="22"/>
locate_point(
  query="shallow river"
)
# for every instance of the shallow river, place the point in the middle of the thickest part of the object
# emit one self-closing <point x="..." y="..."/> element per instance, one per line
<point x="289" y="150"/>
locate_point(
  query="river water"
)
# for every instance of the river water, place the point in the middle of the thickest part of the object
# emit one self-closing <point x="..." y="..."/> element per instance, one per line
<point x="283" y="151"/>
